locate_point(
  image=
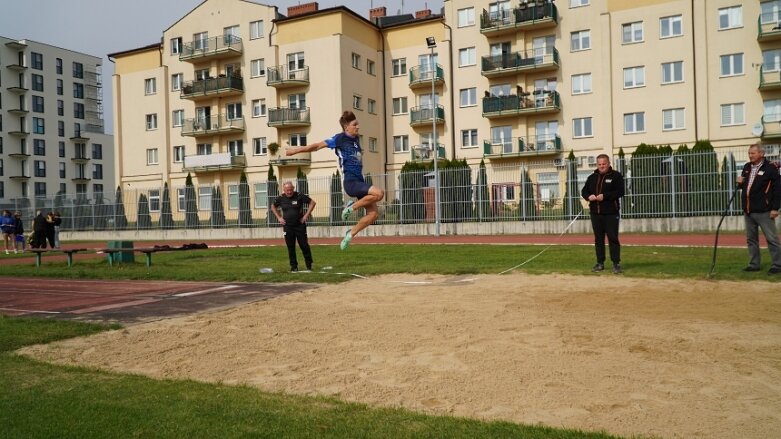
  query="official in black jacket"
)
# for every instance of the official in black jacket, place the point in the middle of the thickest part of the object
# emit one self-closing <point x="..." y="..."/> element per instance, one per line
<point x="602" y="190"/>
<point x="761" y="187"/>
<point x="293" y="220"/>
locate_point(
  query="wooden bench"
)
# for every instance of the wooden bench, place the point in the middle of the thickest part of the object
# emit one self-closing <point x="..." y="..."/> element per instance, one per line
<point x="112" y="253"/>
<point x="68" y="253"/>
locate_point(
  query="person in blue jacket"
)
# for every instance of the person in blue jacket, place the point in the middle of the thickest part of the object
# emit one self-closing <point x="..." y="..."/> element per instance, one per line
<point x="349" y="153"/>
<point x="7" y="228"/>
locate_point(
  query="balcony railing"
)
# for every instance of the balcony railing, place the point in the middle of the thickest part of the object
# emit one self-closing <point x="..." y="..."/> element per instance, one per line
<point x="288" y="117"/>
<point x="421" y="116"/>
<point x="769" y="25"/>
<point x="214" y="162"/>
<point x="210" y="87"/>
<point x="527" y="16"/>
<point x="422" y="153"/>
<point x="420" y="76"/>
<point x="302" y="158"/>
<point x="281" y="77"/>
<point x="540" y="101"/>
<point x="769" y="80"/>
<point x="78" y="136"/>
<point x="219" y="124"/>
<point x="17" y="68"/>
<point x="18" y="89"/>
<point x="224" y="46"/>
<point x="542" y="145"/>
<point x="771" y="126"/>
<point x="538" y="60"/>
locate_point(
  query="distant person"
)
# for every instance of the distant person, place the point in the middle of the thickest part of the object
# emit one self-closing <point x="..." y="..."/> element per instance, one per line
<point x="603" y="190"/>
<point x="50" y="229"/>
<point x="347" y="149"/>
<point x="293" y="220"/>
<point x="761" y="187"/>
<point x="7" y="227"/>
<point x="57" y="225"/>
<point x="20" y="242"/>
<point x="40" y="229"/>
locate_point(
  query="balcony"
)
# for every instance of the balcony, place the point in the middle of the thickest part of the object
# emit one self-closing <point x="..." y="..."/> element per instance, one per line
<point x="288" y="117"/>
<point x="16" y="45"/>
<point x="82" y="178"/>
<point x="17" y="89"/>
<point x="224" y="46"/>
<point x="528" y="16"/>
<point x="424" y="116"/>
<point x="80" y="158"/>
<point x="539" y="102"/>
<point x="212" y="87"/>
<point x="19" y="133"/>
<point x="422" y="153"/>
<point x="519" y="62"/>
<point x="22" y="176"/>
<point x="769" y="26"/>
<point x="300" y="159"/>
<point x="214" y="162"/>
<point x="21" y="154"/>
<point x="214" y="125"/>
<point x="531" y="146"/>
<point x="769" y="80"/>
<point x="420" y="76"/>
<point x="282" y="77"/>
<point x="16" y="67"/>
<point x="771" y="129"/>
<point x="18" y="111"/>
<point x="78" y="137"/>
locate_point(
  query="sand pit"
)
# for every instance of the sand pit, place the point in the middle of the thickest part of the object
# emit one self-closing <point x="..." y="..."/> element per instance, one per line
<point x="672" y="358"/>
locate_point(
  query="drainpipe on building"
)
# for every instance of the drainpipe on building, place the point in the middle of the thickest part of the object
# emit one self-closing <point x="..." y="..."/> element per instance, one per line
<point x="694" y="72"/>
<point x="452" y="94"/>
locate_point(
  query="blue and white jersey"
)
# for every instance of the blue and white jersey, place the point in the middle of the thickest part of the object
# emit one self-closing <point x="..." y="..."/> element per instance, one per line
<point x="350" y="158"/>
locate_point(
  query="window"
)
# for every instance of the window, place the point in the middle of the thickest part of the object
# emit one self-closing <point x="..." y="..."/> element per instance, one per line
<point x="731" y="17"/>
<point x="61" y="149"/>
<point x="256" y="30"/>
<point x="466" y="17"/>
<point x="400" y="105"/>
<point x="372" y="144"/>
<point x="259" y="146"/>
<point x="370" y="67"/>
<point x="151" y="156"/>
<point x="201" y="41"/>
<point x="469" y="138"/>
<point x="233" y="196"/>
<point x="180" y="204"/>
<point x="177" y="116"/>
<point x="236" y="147"/>
<point x="201" y="74"/>
<point x="732" y="65"/>
<point x="771" y="60"/>
<point x="61" y="128"/>
<point x="39" y="147"/>
<point x="632" y="32"/>
<point x="257" y="68"/>
<point x="297" y="139"/>
<point x="400" y="144"/>
<point x="581" y="83"/>
<point x="97" y="171"/>
<point x="78" y="110"/>
<point x="36" y="61"/>
<point x="176" y="81"/>
<point x="97" y="151"/>
<point x="770" y="12"/>
<point x="178" y="154"/>
<point x="356" y="102"/>
<point x="258" y="107"/>
<point x="204" y="198"/>
<point x="37" y="81"/>
<point x="40" y="168"/>
<point x="60" y="107"/>
<point x="634" y="77"/>
<point x="150" y="86"/>
<point x="176" y="46"/>
<point x="97" y="189"/>
<point x="230" y="35"/>
<point x="39" y="126"/>
<point x="634" y="123"/>
<point x="37" y="104"/>
<point x="233" y="111"/>
<point x="399" y="66"/>
<point x="670" y="26"/>
<point x="673" y="119"/>
<point x="60" y="87"/>
<point x="58" y="65"/>
<point x="372" y="106"/>
<point x="468" y="97"/>
<point x="40" y="189"/>
<point x="467" y="57"/>
<point x="580" y="40"/>
<point x="151" y="121"/>
<point x="672" y="72"/>
<point x="261" y="195"/>
<point x="581" y="127"/>
<point x="356" y="61"/>
<point x="62" y="170"/>
<point x="578" y="3"/>
<point x="78" y="70"/>
<point x="203" y="148"/>
<point x="154" y="200"/>
<point x="78" y="90"/>
<point x="732" y="114"/>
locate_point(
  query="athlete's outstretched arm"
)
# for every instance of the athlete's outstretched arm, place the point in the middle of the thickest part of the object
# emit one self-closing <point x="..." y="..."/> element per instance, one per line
<point x="308" y="148"/>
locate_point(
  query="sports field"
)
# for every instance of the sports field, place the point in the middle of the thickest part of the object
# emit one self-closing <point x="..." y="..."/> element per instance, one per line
<point x="632" y="356"/>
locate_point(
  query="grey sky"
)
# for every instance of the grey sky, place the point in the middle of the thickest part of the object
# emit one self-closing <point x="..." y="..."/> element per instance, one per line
<point x="100" y="27"/>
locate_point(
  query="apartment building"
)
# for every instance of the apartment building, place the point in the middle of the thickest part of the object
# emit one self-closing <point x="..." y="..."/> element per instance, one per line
<point x="508" y="82"/>
<point x="52" y="138"/>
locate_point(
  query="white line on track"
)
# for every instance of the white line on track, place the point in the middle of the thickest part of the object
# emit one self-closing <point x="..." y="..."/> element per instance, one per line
<point x="210" y="290"/>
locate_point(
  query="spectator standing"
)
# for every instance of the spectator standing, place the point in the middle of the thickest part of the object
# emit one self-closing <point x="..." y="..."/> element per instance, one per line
<point x="50" y="229"/>
<point x="293" y="220"/>
<point x="40" y="228"/>
<point x="603" y="190"/>
<point x="7" y="230"/>
<point x="57" y="224"/>
<point x="20" y="242"/>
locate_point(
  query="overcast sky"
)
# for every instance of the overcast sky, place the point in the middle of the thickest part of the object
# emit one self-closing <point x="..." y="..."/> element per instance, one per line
<point x="100" y="27"/>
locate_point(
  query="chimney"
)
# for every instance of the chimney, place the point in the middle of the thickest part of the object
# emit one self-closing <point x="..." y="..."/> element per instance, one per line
<point x="377" y="13"/>
<point x="292" y="11"/>
<point x="422" y="14"/>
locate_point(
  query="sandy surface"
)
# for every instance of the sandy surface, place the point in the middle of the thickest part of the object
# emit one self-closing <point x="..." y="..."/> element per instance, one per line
<point x="678" y="358"/>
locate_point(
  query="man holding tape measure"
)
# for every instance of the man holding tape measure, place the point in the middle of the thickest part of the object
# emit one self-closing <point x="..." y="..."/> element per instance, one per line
<point x="602" y="190"/>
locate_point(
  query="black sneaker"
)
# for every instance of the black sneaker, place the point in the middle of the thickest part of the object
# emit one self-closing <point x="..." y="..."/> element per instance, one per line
<point x="293" y="269"/>
<point x="309" y="267"/>
<point x="598" y="267"/>
<point x="617" y="269"/>
<point x="773" y="271"/>
<point x="750" y="269"/>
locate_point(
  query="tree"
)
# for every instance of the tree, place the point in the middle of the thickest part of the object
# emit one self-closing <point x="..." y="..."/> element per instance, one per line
<point x="191" y="220"/>
<point x="572" y="204"/>
<point x="120" y="219"/>
<point x="166" y="217"/>
<point x="526" y="209"/>
<point x="483" y="201"/>
<point x="272" y="187"/>
<point x="302" y="185"/>
<point x="217" y="218"/>
<point x="245" y="213"/>
<point x="411" y="182"/>
<point x="626" y="201"/>
<point x="337" y="200"/>
<point x="144" y="219"/>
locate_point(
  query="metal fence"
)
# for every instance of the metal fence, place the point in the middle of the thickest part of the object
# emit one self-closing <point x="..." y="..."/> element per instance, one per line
<point x="670" y="185"/>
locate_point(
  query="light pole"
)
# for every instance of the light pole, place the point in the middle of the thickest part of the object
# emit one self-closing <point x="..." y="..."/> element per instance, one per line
<point x="432" y="44"/>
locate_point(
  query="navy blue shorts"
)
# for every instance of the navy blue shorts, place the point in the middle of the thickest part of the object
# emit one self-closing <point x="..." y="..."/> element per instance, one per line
<point x="357" y="189"/>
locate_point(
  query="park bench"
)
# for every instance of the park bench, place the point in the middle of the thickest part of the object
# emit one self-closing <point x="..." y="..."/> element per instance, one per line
<point x="39" y="252"/>
<point x="112" y="253"/>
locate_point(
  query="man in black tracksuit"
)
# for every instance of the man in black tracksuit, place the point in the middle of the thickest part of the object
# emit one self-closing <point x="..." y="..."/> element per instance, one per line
<point x="602" y="190"/>
<point x="761" y="186"/>
<point x="293" y="220"/>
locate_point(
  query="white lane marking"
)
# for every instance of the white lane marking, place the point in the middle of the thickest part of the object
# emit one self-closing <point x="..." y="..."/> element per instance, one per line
<point x="210" y="290"/>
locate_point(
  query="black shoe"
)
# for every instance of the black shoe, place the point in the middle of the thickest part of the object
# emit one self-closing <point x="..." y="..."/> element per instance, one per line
<point x="598" y="267"/>
<point x="617" y="269"/>
<point x="293" y="269"/>
<point x="750" y="268"/>
<point x="773" y="270"/>
<point x="309" y="267"/>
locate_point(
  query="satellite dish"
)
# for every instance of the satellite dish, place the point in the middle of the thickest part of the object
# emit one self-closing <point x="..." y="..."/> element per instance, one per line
<point x="758" y="129"/>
